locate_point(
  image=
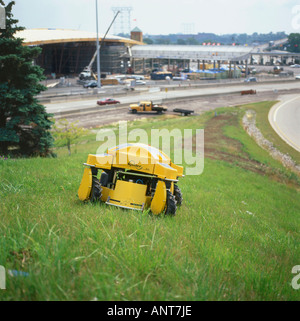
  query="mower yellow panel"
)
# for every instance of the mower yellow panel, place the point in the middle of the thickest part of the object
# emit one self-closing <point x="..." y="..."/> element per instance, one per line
<point x="100" y="161"/>
<point x="165" y="171"/>
<point x="104" y="193"/>
<point x="138" y="153"/>
<point x="178" y="168"/>
<point x="129" y="195"/>
<point x="158" y="203"/>
<point x="85" y="187"/>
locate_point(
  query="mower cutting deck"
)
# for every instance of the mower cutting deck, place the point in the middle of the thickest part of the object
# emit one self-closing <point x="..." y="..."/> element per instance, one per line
<point x="133" y="176"/>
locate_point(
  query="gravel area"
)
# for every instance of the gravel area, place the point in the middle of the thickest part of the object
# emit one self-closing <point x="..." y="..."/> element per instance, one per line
<point x="249" y="124"/>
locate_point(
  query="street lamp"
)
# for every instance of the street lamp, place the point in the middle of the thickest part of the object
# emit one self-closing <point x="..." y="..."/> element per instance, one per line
<point x="98" y="50"/>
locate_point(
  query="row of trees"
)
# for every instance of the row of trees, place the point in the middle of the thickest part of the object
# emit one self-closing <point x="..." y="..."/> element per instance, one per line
<point x="199" y="38"/>
<point x="160" y="41"/>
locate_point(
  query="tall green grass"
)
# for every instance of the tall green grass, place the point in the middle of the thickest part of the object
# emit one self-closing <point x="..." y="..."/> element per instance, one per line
<point x="236" y="236"/>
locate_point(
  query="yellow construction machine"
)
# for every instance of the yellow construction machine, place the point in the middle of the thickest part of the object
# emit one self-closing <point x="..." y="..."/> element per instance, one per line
<point x="147" y="106"/>
<point x="133" y="176"/>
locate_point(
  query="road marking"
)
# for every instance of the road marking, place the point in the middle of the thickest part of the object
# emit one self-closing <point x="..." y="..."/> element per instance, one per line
<point x="287" y="102"/>
<point x="287" y="139"/>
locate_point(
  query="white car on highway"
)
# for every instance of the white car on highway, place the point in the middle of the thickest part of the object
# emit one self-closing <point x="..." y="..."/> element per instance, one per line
<point x="140" y="82"/>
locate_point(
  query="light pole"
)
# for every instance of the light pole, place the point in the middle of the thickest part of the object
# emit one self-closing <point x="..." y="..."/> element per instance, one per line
<point x="98" y="50"/>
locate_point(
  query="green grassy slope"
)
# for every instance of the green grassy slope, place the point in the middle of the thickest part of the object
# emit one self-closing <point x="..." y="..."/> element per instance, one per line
<point x="236" y="236"/>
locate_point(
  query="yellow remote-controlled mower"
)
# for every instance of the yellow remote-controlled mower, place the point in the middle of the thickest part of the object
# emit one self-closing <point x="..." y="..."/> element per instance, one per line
<point x="133" y="176"/>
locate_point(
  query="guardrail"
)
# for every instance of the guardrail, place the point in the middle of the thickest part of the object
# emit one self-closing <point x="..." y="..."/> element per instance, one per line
<point x="94" y="94"/>
<point x="57" y="97"/>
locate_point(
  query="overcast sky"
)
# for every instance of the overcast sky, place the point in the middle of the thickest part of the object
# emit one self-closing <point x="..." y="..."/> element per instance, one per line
<point x="164" y="16"/>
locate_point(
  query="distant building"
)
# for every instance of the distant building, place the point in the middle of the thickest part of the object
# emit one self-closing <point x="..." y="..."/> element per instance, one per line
<point x="136" y="34"/>
<point x="66" y="52"/>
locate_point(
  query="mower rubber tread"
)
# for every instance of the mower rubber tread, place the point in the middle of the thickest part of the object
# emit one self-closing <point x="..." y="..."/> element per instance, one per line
<point x="96" y="190"/>
<point x="171" y="204"/>
<point x="178" y="195"/>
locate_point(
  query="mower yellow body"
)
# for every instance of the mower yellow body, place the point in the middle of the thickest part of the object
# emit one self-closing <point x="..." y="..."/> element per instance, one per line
<point x="133" y="176"/>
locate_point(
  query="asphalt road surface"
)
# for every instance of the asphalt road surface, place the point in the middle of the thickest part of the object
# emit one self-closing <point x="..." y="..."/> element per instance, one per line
<point x="159" y="96"/>
<point x="284" y="117"/>
<point x="111" y="114"/>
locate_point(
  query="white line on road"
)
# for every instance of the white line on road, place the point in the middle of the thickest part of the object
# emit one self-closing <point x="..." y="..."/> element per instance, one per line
<point x="287" y="102"/>
<point x="278" y="130"/>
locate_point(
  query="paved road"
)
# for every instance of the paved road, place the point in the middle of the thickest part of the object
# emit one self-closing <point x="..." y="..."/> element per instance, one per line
<point x="75" y="89"/>
<point x="111" y="114"/>
<point x="159" y="96"/>
<point x="284" y="117"/>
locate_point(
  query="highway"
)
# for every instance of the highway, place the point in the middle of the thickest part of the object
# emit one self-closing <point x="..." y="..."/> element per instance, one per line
<point x="284" y="117"/>
<point x="158" y="96"/>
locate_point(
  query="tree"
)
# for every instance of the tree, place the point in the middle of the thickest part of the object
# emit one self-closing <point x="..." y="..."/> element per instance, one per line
<point x="148" y="41"/>
<point x="181" y="41"/>
<point x="24" y="123"/>
<point x="192" y="41"/>
<point x="294" y="42"/>
<point x="66" y="133"/>
<point x="163" y="41"/>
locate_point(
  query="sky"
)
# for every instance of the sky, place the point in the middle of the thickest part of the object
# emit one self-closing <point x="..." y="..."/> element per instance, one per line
<point x="163" y="16"/>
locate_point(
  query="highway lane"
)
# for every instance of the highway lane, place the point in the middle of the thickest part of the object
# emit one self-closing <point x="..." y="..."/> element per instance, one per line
<point x="284" y="117"/>
<point x="80" y="105"/>
<point x="111" y="114"/>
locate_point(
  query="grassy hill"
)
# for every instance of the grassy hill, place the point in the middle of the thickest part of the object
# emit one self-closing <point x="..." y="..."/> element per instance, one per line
<point x="236" y="236"/>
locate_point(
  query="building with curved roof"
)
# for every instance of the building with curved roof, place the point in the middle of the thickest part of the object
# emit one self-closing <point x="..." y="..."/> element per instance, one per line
<point x="66" y="52"/>
<point x="51" y="36"/>
<point x="69" y="51"/>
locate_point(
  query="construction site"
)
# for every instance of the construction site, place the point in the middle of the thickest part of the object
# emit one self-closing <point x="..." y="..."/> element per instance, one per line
<point x="69" y="52"/>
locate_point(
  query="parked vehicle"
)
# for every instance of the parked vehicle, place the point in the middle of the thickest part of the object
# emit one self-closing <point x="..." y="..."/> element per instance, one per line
<point x="183" y="112"/>
<point x="136" y="77"/>
<point x="178" y="78"/>
<point x="140" y="82"/>
<point x="248" y="92"/>
<point x="161" y="75"/>
<point x="107" y="101"/>
<point x="277" y="70"/>
<point x="147" y="106"/>
<point x="91" y="84"/>
<point x="250" y="79"/>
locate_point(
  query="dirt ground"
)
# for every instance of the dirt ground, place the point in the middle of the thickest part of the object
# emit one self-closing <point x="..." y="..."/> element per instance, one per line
<point x="221" y="147"/>
<point x="218" y="146"/>
<point x="199" y="105"/>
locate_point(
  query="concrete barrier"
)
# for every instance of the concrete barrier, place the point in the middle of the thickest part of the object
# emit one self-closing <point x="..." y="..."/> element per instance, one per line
<point x="78" y="96"/>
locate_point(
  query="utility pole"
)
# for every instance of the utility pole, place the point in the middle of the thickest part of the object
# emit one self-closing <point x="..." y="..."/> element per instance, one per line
<point x="98" y="51"/>
<point x="2" y="17"/>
